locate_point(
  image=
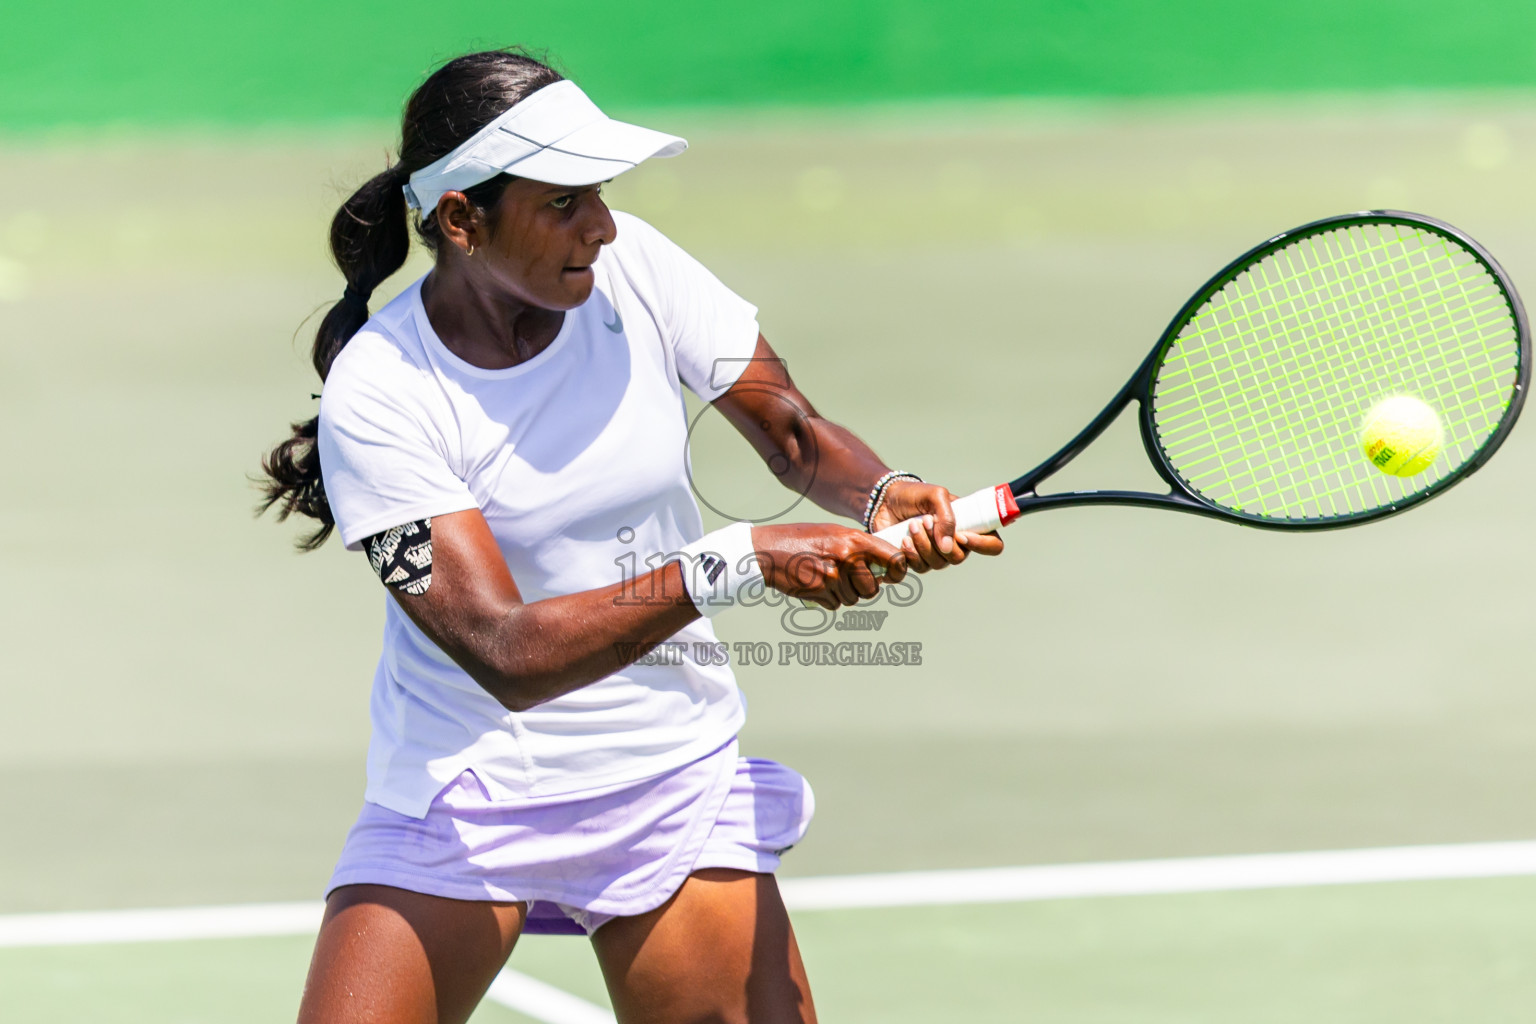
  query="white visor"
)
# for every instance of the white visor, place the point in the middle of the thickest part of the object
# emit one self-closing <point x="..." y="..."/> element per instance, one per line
<point x="556" y="135"/>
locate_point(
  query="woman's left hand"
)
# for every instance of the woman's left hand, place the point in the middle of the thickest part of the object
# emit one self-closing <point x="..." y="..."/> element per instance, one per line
<point x="931" y="543"/>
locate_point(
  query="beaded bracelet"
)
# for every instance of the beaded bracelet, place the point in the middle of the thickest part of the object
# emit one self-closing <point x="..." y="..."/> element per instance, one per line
<point x="877" y="494"/>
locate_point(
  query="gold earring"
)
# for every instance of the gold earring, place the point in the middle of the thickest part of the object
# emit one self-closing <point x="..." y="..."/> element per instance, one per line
<point x="471" y="251"/>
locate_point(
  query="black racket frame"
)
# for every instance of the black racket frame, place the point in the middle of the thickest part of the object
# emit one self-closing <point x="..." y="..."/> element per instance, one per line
<point x="1183" y="498"/>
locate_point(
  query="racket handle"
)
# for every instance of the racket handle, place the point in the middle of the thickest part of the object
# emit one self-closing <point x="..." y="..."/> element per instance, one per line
<point x="982" y="512"/>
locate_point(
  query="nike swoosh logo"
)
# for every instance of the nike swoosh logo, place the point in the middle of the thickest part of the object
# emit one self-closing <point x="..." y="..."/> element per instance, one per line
<point x="617" y="327"/>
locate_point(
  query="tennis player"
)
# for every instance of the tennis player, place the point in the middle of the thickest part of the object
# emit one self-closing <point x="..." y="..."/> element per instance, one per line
<point x="506" y="441"/>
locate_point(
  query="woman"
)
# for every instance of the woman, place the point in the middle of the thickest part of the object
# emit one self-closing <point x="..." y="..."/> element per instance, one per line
<point x="503" y="439"/>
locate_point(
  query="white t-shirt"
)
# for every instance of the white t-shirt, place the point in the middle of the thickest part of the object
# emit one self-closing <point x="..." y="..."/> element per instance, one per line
<point x="564" y="455"/>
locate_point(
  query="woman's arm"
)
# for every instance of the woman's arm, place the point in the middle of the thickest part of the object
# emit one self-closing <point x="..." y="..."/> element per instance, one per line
<point x="828" y="464"/>
<point x="525" y="653"/>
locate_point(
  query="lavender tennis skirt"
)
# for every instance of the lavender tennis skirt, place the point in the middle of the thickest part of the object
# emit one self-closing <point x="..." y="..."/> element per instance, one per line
<point x="581" y="861"/>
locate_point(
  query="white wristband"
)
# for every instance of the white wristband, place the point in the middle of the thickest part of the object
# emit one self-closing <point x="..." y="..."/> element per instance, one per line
<point x="718" y="566"/>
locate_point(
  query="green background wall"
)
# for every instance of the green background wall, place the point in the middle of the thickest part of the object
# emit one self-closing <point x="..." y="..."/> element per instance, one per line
<point x="280" y="61"/>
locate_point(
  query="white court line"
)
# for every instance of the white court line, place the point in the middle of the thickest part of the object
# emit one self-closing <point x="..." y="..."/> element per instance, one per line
<point x="551" y="1005"/>
<point x="533" y="998"/>
<point x="173" y="924"/>
<point x="1148" y="877"/>
<point x="900" y="889"/>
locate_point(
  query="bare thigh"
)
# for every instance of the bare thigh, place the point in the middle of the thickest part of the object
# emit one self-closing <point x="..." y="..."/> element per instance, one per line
<point x="389" y="956"/>
<point x="720" y="951"/>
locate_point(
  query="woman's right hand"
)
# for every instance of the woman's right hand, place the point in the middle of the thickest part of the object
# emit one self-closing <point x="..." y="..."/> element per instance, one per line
<point x="824" y="563"/>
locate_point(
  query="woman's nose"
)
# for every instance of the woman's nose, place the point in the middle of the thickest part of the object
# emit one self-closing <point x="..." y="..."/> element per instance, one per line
<point x="599" y="226"/>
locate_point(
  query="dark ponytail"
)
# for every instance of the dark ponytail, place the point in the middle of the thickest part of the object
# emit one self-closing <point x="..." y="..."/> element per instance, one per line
<point x="370" y="240"/>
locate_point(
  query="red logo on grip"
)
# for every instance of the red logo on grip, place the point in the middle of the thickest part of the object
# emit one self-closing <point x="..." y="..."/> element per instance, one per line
<point x="1007" y="508"/>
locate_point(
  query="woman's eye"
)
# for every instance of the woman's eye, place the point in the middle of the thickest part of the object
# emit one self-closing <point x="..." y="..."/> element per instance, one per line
<point x="562" y="202"/>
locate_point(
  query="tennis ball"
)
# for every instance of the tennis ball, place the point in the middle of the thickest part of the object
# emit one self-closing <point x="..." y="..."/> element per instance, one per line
<point x="1402" y="435"/>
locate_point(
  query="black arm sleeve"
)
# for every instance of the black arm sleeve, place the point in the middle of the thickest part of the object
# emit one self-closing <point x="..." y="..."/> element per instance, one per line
<point x="403" y="556"/>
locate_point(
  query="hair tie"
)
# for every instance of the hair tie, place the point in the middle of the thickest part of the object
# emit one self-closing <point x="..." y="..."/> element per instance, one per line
<point x="350" y="294"/>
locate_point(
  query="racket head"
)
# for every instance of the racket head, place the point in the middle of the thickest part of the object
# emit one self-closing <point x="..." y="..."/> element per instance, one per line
<point x="1253" y="401"/>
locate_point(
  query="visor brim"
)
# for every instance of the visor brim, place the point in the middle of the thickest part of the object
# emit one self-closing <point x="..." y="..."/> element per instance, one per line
<point x="596" y="152"/>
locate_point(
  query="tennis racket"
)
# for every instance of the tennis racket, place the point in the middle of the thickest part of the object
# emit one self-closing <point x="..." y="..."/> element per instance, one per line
<point x="1253" y="400"/>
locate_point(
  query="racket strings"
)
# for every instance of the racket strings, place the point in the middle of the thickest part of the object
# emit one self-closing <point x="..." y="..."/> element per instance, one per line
<point x="1294" y="366"/>
<point x="1311" y="456"/>
<point x="1259" y="402"/>
<point x="1293" y="363"/>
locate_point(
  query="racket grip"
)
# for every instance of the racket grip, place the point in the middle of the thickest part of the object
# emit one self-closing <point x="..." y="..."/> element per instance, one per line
<point x="982" y="512"/>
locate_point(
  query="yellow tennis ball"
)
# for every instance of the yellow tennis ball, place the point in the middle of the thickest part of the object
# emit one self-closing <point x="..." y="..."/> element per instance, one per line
<point x="1402" y="435"/>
